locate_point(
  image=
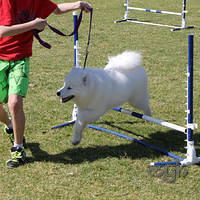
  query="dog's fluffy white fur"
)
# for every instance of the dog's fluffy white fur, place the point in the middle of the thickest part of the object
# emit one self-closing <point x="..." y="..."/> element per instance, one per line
<point x="95" y="91"/>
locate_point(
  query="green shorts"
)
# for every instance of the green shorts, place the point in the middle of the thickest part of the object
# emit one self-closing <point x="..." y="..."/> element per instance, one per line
<point x="14" y="78"/>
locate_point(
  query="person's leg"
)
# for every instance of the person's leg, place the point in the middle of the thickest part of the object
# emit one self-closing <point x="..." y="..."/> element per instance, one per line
<point x="8" y="128"/>
<point x="4" y="116"/>
<point x="4" y="91"/>
<point x="18" y="79"/>
<point x="18" y="85"/>
<point x="15" y="104"/>
<point x="18" y="154"/>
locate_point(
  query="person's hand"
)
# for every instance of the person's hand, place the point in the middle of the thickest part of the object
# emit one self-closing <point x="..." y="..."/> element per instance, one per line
<point x="39" y="24"/>
<point x="85" y="6"/>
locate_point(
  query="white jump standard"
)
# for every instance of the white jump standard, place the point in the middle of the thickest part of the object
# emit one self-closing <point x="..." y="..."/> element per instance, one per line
<point x="174" y="28"/>
<point x="76" y="64"/>
<point x="191" y="153"/>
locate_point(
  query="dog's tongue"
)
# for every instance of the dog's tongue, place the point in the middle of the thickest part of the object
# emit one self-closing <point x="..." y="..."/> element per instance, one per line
<point x="66" y="99"/>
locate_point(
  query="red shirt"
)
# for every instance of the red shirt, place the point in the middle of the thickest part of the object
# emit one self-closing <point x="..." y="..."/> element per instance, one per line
<point x="17" y="12"/>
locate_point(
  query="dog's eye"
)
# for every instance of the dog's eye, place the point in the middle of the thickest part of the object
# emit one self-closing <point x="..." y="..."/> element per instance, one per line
<point x="69" y="88"/>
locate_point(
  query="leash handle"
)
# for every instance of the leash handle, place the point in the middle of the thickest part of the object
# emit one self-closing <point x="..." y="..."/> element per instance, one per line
<point x="42" y="42"/>
<point x="46" y="44"/>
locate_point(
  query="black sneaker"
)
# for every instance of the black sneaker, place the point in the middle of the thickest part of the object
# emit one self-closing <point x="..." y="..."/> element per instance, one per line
<point x="9" y="132"/>
<point x="18" y="156"/>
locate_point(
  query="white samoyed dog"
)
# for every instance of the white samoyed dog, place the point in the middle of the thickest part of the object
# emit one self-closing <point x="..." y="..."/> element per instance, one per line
<point x="95" y="91"/>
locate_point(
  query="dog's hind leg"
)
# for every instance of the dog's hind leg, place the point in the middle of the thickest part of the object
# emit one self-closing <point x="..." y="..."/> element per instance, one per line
<point x="147" y="110"/>
<point x="141" y="104"/>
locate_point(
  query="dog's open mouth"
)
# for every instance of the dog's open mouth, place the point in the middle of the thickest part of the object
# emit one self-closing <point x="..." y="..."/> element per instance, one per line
<point x="66" y="99"/>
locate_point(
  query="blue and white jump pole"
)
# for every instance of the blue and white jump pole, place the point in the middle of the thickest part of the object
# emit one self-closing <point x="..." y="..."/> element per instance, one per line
<point x="191" y="153"/>
<point x="76" y="59"/>
<point x="174" y="28"/>
<point x="151" y="119"/>
<point x="76" y="64"/>
<point x="76" y="42"/>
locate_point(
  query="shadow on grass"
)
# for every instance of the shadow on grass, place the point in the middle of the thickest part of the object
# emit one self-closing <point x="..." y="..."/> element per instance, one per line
<point x="169" y="141"/>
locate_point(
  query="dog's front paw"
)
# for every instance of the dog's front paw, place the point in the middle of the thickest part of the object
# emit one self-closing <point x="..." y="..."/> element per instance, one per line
<point x="75" y="142"/>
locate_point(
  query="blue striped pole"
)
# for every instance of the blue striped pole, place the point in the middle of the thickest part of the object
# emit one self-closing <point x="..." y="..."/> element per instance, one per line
<point x="76" y="63"/>
<point x="190" y="89"/>
<point x="137" y="141"/>
<point x="191" y="152"/>
<point x="76" y="59"/>
<point x="154" y="11"/>
<point x="151" y="119"/>
<point x="166" y="163"/>
<point x="75" y="36"/>
<point x="184" y="14"/>
<point x="76" y="43"/>
<point x="62" y="125"/>
<point x="126" y="11"/>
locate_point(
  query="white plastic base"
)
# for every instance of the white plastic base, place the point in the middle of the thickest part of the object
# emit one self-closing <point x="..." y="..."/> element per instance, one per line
<point x="191" y="155"/>
<point x="187" y="161"/>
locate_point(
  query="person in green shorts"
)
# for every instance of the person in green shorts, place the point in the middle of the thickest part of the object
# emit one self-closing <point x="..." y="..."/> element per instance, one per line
<point x="17" y="20"/>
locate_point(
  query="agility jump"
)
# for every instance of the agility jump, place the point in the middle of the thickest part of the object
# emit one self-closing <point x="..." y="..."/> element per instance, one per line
<point x="188" y="130"/>
<point x="174" y="28"/>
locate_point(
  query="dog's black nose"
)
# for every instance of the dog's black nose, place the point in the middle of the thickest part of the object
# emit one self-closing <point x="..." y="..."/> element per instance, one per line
<point x="58" y="93"/>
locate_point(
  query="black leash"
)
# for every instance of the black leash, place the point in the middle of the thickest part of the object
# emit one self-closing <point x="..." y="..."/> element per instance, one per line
<point x="88" y="43"/>
<point x="48" y="46"/>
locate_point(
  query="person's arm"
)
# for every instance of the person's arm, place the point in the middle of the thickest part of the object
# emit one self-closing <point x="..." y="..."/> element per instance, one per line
<point x="67" y="7"/>
<point x="7" y="31"/>
<point x="38" y="23"/>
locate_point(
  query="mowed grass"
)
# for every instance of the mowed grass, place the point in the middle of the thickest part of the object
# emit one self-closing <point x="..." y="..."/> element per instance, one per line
<point x="105" y="166"/>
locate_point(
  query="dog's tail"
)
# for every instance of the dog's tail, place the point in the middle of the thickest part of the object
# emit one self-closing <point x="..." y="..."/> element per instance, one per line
<point x="126" y="61"/>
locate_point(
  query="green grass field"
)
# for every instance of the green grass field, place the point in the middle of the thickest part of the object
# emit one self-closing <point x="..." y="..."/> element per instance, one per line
<point x="104" y="166"/>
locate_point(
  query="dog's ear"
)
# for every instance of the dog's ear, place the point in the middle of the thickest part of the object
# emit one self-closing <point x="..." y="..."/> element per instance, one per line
<point x="84" y="79"/>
